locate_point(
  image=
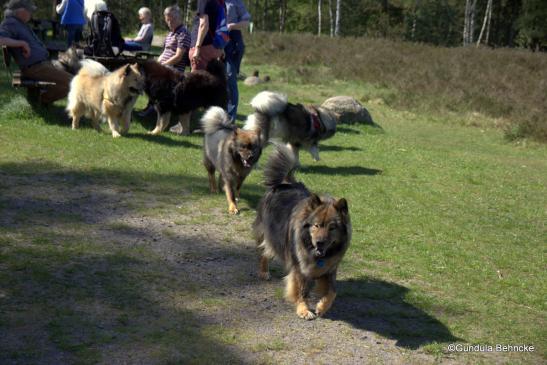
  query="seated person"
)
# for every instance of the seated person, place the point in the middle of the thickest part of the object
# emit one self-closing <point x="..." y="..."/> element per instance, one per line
<point x="143" y="41"/>
<point x="29" y="52"/>
<point x="177" y="42"/>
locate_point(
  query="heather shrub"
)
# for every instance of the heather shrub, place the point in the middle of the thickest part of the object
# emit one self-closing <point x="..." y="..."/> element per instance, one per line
<point x="507" y="84"/>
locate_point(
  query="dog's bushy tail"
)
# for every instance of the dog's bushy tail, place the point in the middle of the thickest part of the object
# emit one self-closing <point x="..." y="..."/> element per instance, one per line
<point x="93" y="68"/>
<point x="269" y="103"/>
<point x="215" y="119"/>
<point x="280" y="167"/>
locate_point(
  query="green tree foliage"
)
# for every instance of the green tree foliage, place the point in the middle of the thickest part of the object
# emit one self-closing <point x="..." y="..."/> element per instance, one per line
<point x="440" y="22"/>
<point x="533" y="24"/>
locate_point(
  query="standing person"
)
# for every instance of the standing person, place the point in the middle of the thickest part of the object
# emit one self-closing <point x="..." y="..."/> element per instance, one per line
<point x="29" y="52"/>
<point x="143" y="40"/>
<point x="202" y="50"/>
<point x="72" y="18"/>
<point x="177" y="42"/>
<point x="237" y="18"/>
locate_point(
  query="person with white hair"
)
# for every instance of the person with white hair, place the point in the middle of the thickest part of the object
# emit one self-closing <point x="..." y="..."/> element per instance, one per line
<point x="177" y="42"/>
<point x="92" y="6"/>
<point x="143" y="40"/>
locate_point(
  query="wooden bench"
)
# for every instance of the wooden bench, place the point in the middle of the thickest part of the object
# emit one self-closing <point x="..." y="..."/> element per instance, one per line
<point x="33" y="87"/>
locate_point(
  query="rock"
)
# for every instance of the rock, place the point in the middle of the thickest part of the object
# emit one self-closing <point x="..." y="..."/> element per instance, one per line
<point x="348" y="110"/>
<point x="252" y="81"/>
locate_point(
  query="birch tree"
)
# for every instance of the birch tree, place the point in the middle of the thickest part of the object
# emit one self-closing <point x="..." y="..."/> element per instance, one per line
<point x="319" y="17"/>
<point x="485" y="22"/>
<point x="337" y="21"/>
<point x="282" y="15"/>
<point x="469" y="22"/>
<point x="331" y="19"/>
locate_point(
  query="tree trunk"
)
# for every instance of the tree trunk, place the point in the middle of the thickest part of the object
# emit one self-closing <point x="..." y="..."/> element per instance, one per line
<point x="487" y="15"/>
<point x="187" y="12"/>
<point x="488" y="25"/>
<point x="53" y="11"/>
<point x="414" y="20"/>
<point x="337" y="21"/>
<point x="469" y="22"/>
<point x="265" y="16"/>
<point x="282" y="15"/>
<point x="331" y="19"/>
<point x="319" y="17"/>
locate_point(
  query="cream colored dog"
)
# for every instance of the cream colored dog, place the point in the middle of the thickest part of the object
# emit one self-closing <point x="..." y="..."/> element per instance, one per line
<point x="99" y="94"/>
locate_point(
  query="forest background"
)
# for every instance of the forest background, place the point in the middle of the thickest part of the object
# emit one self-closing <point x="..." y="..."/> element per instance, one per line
<point x="496" y="23"/>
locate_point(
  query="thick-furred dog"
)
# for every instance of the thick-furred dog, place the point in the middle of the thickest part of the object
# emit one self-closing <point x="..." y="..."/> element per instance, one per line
<point x="295" y="124"/>
<point x="308" y="233"/>
<point x="99" y="94"/>
<point x="230" y="150"/>
<point x="171" y="91"/>
<point x="69" y="61"/>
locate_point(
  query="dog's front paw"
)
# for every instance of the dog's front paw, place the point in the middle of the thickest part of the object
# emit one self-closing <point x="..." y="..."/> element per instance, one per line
<point x="307" y="315"/>
<point x="322" y="308"/>
<point x="232" y="209"/>
<point x="116" y="134"/>
<point x="155" y="132"/>
<point x="303" y="312"/>
<point x="264" y="275"/>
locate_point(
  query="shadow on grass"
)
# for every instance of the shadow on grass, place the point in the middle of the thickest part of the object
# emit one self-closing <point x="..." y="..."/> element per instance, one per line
<point x="380" y="306"/>
<point x="164" y="140"/>
<point x="341" y="170"/>
<point x="339" y="148"/>
<point x="78" y="285"/>
<point x="67" y="300"/>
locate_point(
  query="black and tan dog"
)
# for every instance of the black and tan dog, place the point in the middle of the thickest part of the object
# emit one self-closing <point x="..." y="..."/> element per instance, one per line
<point x="308" y="233"/>
<point x="296" y="125"/>
<point x="231" y="151"/>
<point x="174" y="92"/>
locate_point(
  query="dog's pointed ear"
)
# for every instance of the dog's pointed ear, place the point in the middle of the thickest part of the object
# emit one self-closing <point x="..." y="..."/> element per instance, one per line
<point x="127" y="70"/>
<point x="341" y="206"/>
<point x="314" y="201"/>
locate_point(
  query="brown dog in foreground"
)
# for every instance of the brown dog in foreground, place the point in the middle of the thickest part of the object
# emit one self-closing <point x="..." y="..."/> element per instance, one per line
<point x="308" y="233"/>
<point x="230" y="150"/>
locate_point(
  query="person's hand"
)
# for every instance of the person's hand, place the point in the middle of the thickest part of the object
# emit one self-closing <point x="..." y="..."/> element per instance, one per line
<point x="25" y="49"/>
<point x="196" y="54"/>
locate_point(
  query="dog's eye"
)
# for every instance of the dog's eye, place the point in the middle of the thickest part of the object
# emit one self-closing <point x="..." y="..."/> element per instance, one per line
<point x="332" y="227"/>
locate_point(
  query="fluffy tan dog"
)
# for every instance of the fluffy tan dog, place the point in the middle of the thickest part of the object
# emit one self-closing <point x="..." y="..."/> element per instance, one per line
<point x="99" y="94"/>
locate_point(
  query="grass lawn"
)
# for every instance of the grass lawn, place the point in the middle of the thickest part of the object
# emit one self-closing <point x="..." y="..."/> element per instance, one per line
<point x="449" y="236"/>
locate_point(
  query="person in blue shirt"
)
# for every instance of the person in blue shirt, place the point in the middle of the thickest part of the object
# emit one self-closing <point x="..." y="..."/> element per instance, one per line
<point x="237" y="18"/>
<point x="72" y="18"/>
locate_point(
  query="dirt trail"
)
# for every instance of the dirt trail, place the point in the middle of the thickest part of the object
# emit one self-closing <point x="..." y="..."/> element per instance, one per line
<point x="153" y="284"/>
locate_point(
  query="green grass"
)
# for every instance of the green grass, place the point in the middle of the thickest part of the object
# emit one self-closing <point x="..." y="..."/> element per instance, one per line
<point x="448" y="228"/>
<point x="504" y="84"/>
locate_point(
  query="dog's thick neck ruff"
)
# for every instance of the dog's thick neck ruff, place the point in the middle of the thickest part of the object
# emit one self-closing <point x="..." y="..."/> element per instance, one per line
<point x="315" y="120"/>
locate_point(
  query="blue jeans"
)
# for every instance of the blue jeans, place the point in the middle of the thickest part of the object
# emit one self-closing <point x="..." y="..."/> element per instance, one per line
<point x="132" y="46"/>
<point x="233" y="54"/>
<point x="74" y="33"/>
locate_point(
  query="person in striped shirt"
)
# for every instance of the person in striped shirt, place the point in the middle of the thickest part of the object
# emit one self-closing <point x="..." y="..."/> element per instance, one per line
<point x="177" y="42"/>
